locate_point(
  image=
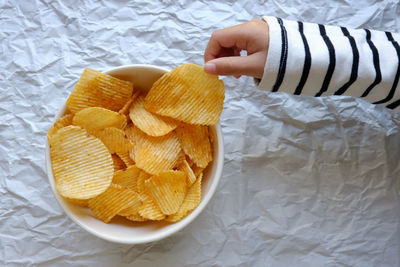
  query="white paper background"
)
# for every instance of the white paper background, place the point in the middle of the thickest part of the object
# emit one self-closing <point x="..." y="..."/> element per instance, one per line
<point x="306" y="182"/>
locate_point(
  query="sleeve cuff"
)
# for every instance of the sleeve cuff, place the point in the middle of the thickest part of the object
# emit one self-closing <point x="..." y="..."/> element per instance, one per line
<point x="272" y="63"/>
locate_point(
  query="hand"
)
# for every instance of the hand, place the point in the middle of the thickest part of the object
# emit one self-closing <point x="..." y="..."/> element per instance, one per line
<point x="222" y="55"/>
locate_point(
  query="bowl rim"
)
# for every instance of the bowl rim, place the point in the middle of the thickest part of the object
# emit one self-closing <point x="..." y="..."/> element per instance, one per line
<point x="152" y="237"/>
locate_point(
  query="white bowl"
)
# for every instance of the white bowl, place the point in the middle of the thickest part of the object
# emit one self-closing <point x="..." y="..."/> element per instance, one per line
<point x="123" y="231"/>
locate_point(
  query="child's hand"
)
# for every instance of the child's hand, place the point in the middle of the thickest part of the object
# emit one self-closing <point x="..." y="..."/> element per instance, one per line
<point x="222" y="55"/>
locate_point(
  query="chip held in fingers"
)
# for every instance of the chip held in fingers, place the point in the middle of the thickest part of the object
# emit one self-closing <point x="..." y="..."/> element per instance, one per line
<point x="187" y="94"/>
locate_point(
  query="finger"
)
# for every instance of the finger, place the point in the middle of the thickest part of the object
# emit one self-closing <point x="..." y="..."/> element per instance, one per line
<point x="232" y="37"/>
<point x="252" y="65"/>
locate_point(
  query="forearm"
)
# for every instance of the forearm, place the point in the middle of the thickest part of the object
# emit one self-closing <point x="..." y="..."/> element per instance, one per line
<point x="318" y="60"/>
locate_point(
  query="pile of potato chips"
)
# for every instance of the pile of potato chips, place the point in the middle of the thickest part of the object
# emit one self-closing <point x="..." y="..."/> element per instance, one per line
<point x="121" y="152"/>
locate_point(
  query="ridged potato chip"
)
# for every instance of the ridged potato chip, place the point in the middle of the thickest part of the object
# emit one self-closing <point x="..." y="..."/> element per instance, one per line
<point x="149" y="123"/>
<point x="116" y="198"/>
<point x="129" y="132"/>
<point x="191" y="201"/>
<point x="126" y="158"/>
<point x="187" y="94"/>
<point x="168" y="189"/>
<point x="127" y="178"/>
<point x="118" y="163"/>
<point x="82" y="166"/>
<point x="185" y="167"/>
<point x="136" y="217"/>
<point x="197" y="170"/>
<point x="96" y="118"/>
<point x="156" y="154"/>
<point x="125" y="109"/>
<point x="60" y="123"/>
<point x="149" y="209"/>
<point x="95" y="89"/>
<point x="131" y="210"/>
<point x="195" y="142"/>
<point x="114" y="139"/>
<point x="79" y="202"/>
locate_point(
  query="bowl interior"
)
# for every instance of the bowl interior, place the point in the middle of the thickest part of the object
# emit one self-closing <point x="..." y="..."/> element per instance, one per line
<point x="121" y="230"/>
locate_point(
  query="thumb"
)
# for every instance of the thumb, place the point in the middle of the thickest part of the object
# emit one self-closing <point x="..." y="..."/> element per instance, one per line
<point x="252" y="65"/>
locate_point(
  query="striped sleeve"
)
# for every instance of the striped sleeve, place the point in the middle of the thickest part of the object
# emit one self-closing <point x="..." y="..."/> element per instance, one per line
<point x="320" y="60"/>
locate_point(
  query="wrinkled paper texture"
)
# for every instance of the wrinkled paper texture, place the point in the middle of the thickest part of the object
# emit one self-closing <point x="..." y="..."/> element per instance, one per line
<point x="306" y="181"/>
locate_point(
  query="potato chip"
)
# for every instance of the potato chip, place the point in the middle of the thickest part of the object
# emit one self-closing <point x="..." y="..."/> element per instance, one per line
<point x="79" y="202"/>
<point x="127" y="178"/>
<point x="196" y="143"/>
<point x="168" y="189"/>
<point x="191" y="201"/>
<point x="60" y="123"/>
<point x="95" y="89"/>
<point x="126" y="158"/>
<point x="125" y="109"/>
<point x="95" y="119"/>
<point x="129" y="132"/>
<point x="131" y="210"/>
<point x="143" y="176"/>
<point x="150" y="123"/>
<point x="118" y="163"/>
<point x="136" y="217"/>
<point x="114" y="139"/>
<point x="82" y="166"/>
<point x="116" y="198"/>
<point x="190" y="176"/>
<point x="197" y="170"/>
<point x="149" y="209"/>
<point x="156" y="154"/>
<point x="187" y="94"/>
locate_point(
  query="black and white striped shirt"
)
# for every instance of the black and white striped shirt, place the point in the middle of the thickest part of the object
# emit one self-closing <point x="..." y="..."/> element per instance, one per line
<point x="318" y="60"/>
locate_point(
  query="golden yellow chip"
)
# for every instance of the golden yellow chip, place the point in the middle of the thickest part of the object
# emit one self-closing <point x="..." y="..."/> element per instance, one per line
<point x="190" y="176"/>
<point x="95" y="118"/>
<point x="191" y="201"/>
<point x="118" y="163"/>
<point x="156" y="154"/>
<point x="136" y="217"/>
<point x="149" y="209"/>
<point x="82" y="166"/>
<point x="196" y="143"/>
<point x="79" y="202"/>
<point x="60" y="123"/>
<point x="131" y="210"/>
<point x="125" y="109"/>
<point x="129" y="132"/>
<point x="115" y="140"/>
<point x="95" y="89"/>
<point x="187" y="94"/>
<point x="150" y="123"/>
<point x="116" y="198"/>
<point x="126" y="158"/>
<point x="197" y="170"/>
<point x="127" y="178"/>
<point x="168" y="189"/>
<point x="140" y="188"/>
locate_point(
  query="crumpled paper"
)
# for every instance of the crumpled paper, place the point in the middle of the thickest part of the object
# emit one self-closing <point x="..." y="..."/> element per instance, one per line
<point x="306" y="181"/>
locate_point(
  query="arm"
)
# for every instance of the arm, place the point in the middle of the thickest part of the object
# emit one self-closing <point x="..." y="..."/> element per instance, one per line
<point x="317" y="60"/>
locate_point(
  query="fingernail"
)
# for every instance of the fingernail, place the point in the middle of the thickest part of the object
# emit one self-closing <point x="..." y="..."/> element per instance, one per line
<point x="210" y="68"/>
